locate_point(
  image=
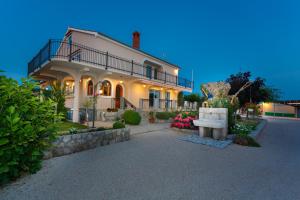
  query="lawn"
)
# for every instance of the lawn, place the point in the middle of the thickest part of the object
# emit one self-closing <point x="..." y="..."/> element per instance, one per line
<point x="66" y="125"/>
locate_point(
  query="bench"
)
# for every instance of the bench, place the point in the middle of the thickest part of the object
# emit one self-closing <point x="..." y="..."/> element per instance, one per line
<point x="212" y="122"/>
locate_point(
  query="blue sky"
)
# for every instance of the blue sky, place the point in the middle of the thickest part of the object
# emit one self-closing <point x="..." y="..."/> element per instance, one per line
<point x="213" y="38"/>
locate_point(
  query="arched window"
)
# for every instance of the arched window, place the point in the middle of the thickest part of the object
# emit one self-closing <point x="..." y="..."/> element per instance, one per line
<point x="90" y="88"/>
<point x="106" y="88"/>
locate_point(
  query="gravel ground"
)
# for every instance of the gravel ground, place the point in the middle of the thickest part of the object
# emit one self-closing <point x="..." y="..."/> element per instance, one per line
<point x="156" y="165"/>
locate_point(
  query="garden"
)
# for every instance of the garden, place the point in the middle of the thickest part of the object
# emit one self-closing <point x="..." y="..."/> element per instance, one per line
<point x="32" y="120"/>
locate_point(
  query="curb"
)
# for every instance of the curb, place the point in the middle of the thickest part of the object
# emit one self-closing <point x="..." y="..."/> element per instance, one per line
<point x="259" y="128"/>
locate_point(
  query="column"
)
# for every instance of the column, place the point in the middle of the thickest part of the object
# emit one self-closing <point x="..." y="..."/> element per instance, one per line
<point x="76" y="99"/>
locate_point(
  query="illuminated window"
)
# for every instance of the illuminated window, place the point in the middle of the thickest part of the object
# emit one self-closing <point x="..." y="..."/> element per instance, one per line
<point x="106" y="88"/>
<point x="90" y="88"/>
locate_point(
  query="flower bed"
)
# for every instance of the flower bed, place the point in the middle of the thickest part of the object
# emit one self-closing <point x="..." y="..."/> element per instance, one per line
<point x="244" y="127"/>
<point x="184" y="121"/>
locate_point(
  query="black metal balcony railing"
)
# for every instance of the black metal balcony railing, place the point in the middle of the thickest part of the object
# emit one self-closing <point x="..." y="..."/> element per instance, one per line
<point x="166" y="104"/>
<point x="79" y="53"/>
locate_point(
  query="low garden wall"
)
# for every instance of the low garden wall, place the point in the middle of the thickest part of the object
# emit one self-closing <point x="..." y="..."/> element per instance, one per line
<point x="67" y="144"/>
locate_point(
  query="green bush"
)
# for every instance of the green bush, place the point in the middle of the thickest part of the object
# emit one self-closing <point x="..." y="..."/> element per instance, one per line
<point x="26" y="128"/>
<point x="73" y="130"/>
<point x="132" y="117"/>
<point x="172" y="114"/>
<point x="162" y="115"/>
<point x="118" y="124"/>
<point x="165" y="115"/>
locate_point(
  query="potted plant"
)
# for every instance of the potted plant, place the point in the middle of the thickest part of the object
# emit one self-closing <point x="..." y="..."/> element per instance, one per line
<point x="151" y="117"/>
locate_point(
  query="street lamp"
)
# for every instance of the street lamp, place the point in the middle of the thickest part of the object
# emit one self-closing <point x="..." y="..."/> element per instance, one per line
<point x="95" y="99"/>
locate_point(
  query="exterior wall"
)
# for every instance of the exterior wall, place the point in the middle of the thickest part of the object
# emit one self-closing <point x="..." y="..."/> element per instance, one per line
<point x="132" y="91"/>
<point x="113" y="47"/>
<point x="278" y="108"/>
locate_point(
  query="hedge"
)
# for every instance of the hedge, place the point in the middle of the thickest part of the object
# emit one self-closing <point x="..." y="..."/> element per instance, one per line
<point x="132" y="117"/>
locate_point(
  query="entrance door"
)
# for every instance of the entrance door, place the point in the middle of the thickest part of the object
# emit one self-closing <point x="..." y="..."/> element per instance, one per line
<point x="167" y="100"/>
<point x="154" y="96"/>
<point x="119" y="94"/>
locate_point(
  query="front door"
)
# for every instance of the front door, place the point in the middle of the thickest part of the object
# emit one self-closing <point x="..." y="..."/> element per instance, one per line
<point x="154" y="96"/>
<point x="119" y="94"/>
<point x="167" y="100"/>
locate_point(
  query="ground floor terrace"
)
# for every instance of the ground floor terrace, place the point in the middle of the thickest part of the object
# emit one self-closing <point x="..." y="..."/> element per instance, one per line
<point x="156" y="165"/>
<point x="112" y="90"/>
<point x="118" y="83"/>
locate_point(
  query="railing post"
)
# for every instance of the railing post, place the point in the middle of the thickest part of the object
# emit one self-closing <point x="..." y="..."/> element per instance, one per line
<point x="49" y="50"/>
<point x="106" y="64"/>
<point x="165" y="76"/>
<point x="132" y="67"/>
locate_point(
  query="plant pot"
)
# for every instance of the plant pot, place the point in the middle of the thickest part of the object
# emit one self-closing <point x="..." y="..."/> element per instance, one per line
<point x="151" y="120"/>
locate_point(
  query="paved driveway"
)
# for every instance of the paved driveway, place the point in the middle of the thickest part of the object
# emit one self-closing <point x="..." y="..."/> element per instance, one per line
<point x="158" y="166"/>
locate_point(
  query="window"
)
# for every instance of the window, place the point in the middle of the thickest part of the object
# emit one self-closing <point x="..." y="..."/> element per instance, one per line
<point x="155" y="73"/>
<point x="69" y="87"/>
<point x="149" y="71"/>
<point x="106" y="88"/>
<point x="90" y="88"/>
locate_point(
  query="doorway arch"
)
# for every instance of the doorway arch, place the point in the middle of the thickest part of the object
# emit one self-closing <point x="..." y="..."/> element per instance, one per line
<point x="119" y="94"/>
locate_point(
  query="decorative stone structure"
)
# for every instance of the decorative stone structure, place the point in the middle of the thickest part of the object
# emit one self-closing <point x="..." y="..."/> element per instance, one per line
<point x="212" y="122"/>
<point x="68" y="144"/>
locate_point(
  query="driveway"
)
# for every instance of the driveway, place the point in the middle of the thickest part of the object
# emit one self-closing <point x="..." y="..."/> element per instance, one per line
<point x="156" y="165"/>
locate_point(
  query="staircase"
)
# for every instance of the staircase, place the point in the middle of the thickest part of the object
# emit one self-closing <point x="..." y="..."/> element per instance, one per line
<point x="126" y="104"/>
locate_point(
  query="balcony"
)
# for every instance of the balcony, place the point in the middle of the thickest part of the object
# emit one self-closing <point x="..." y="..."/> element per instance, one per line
<point x="163" y="104"/>
<point x="73" y="52"/>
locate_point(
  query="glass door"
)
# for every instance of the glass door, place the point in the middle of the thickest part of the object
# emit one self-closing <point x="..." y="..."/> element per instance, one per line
<point x="149" y="71"/>
<point x="154" y="96"/>
<point x="167" y="100"/>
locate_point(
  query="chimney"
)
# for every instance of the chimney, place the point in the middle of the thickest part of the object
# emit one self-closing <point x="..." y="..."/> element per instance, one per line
<point x="136" y="40"/>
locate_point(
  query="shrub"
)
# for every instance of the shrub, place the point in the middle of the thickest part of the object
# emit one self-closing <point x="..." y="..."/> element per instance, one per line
<point x="73" y="130"/>
<point x="26" y="128"/>
<point x="163" y="115"/>
<point x="244" y="127"/>
<point x="245" y="140"/>
<point x="132" y="117"/>
<point x="118" y="124"/>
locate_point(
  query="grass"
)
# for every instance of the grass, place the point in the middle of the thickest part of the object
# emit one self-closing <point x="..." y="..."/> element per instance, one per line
<point x="66" y="125"/>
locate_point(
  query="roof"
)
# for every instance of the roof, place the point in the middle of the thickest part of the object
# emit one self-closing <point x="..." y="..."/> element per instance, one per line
<point x="122" y="43"/>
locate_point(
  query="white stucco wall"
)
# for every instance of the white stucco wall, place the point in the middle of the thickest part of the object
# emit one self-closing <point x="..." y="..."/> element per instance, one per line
<point x="117" y="49"/>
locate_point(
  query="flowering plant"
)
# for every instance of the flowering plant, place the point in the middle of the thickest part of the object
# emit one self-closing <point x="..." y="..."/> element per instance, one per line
<point x="184" y="121"/>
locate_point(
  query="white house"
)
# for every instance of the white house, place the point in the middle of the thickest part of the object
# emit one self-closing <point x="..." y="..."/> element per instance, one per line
<point x="129" y="76"/>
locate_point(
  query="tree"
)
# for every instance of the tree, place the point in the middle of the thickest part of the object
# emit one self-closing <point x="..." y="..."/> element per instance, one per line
<point x="255" y="93"/>
<point x="180" y="99"/>
<point x="57" y="94"/>
<point x="193" y="98"/>
<point x="26" y="127"/>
